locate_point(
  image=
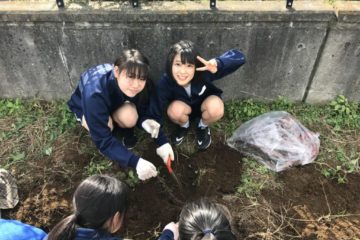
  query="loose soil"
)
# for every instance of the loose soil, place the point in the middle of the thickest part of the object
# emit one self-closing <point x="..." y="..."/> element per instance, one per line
<point x="306" y="206"/>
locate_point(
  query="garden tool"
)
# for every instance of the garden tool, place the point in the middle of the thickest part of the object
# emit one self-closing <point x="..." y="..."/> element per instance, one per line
<point x="171" y="171"/>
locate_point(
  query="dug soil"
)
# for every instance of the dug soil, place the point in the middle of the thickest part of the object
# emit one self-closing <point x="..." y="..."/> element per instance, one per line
<point x="306" y="205"/>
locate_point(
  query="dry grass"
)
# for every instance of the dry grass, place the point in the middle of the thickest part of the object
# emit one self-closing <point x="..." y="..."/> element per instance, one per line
<point x="254" y="218"/>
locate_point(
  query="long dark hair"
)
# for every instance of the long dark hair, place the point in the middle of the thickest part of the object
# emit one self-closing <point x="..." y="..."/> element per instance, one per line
<point x="204" y="220"/>
<point x="136" y="65"/>
<point x="188" y="53"/>
<point x="96" y="200"/>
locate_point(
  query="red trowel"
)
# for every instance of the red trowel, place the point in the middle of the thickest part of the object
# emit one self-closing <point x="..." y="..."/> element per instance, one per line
<point x="171" y="172"/>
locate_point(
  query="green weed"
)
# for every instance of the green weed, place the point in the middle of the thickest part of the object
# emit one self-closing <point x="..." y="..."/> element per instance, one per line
<point x="14" y="158"/>
<point x="343" y="113"/>
<point x="237" y="112"/>
<point x="244" y="110"/>
<point x="10" y="107"/>
<point x="344" y="165"/>
<point x="282" y="104"/>
<point x="98" y="167"/>
<point x="130" y="177"/>
<point x="254" y="178"/>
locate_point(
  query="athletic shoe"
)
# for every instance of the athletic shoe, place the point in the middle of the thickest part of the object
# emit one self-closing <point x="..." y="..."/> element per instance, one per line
<point x="178" y="135"/>
<point x="203" y="137"/>
<point x="129" y="140"/>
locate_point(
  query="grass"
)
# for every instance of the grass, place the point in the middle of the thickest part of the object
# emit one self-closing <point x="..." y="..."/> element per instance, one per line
<point x="41" y="142"/>
<point x="29" y="129"/>
<point x="32" y="130"/>
<point x="255" y="178"/>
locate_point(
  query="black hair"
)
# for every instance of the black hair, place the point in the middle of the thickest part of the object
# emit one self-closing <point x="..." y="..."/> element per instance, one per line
<point x="136" y="65"/>
<point x="97" y="199"/>
<point x="188" y="53"/>
<point x="204" y="220"/>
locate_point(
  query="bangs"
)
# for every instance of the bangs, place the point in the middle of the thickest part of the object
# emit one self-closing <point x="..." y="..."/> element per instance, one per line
<point x="187" y="56"/>
<point x="137" y="70"/>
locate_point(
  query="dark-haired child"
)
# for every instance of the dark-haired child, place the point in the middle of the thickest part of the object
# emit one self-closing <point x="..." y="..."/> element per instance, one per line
<point x="187" y="91"/>
<point x="117" y="96"/>
<point x="100" y="203"/>
<point x="200" y="220"/>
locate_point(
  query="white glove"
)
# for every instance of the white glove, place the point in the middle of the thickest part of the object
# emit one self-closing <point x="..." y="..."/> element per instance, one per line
<point x="152" y="127"/>
<point x="165" y="151"/>
<point x="145" y="169"/>
<point x="174" y="228"/>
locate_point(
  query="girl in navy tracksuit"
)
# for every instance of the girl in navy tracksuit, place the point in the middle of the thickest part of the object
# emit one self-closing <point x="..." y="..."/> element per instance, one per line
<point x="116" y="95"/>
<point x="187" y="91"/>
<point x="100" y="203"/>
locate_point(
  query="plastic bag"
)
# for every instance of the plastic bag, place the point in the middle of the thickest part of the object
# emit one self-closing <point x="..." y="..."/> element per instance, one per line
<point x="277" y="140"/>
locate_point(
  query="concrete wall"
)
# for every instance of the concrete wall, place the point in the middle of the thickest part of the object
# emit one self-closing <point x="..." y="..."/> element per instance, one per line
<point x="310" y="53"/>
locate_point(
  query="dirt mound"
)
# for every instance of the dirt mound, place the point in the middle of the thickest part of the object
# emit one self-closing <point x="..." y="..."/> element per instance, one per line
<point x="210" y="174"/>
<point x="307" y="206"/>
<point x="321" y="195"/>
<point x="324" y="208"/>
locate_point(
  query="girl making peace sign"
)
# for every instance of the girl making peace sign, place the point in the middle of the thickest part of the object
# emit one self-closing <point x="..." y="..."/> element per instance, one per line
<point x="187" y="91"/>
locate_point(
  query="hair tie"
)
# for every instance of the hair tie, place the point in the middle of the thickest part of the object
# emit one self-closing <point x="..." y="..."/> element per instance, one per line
<point x="207" y="231"/>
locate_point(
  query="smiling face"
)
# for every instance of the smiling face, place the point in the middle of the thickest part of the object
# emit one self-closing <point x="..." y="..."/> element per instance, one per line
<point x="129" y="84"/>
<point x="183" y="73"/>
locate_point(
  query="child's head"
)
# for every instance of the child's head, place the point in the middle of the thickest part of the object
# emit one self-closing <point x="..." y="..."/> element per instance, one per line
<point x="204" y="220"/>
<point x="100" y="202"/>
<point x="131" y="70"/>
<point x="98" y="198"/>
<point x="181" y="62"/>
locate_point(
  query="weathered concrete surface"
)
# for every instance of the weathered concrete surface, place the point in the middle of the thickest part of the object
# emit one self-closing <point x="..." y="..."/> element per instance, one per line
<point x="44" y="52"/>
<point x="339" y="66"/>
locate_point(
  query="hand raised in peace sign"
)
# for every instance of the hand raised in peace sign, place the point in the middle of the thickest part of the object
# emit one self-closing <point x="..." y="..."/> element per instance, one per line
<point x="210" y="65"/>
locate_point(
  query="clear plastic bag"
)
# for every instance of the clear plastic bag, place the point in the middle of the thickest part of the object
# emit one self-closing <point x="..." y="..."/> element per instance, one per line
<point x="277" y="140"/>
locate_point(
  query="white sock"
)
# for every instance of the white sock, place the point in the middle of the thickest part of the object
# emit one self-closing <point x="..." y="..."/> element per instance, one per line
<point x="186" y="125"/>
<point x="202" y="124"/>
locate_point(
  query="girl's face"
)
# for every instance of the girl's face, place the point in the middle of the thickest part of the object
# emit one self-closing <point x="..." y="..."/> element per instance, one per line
<point x="182" y="73"/>
<point x="129" y="85"/>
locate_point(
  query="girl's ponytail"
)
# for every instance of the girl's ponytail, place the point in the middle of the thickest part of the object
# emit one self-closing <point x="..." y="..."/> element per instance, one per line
<point x="64" y="230"/>
<point x="203" y="220"/>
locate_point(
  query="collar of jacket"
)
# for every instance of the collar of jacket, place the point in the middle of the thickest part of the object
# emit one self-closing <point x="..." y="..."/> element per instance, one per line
<point x="88" y="233"/>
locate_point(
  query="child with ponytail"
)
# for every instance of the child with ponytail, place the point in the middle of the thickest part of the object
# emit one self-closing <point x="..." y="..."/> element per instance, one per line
<point x="200" y="220"/>
<point x="100" y="203"/>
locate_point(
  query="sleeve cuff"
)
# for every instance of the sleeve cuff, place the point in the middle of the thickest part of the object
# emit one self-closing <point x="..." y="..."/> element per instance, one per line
<point x="162" y="139"/>
<point x="220" y="64"/>
<point x="133" y="161"/>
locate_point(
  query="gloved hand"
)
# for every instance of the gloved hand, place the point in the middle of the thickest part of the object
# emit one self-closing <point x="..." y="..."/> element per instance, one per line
<point x="165" y="151"/>
<point x="174" y="227"/>
<point x="152" y="127"/>
<point x="145" y="169"/>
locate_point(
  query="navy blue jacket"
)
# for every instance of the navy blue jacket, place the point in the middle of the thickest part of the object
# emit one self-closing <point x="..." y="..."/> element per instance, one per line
<point x="168" y="90"/>
<point x="166" y="235"/>
<point x="96" y="97"/>
<point x="92" y="234"/>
